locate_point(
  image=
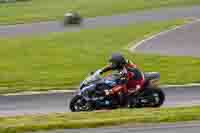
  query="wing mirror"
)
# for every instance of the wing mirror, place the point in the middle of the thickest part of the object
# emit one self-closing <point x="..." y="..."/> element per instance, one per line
<point x="91" y="73"/>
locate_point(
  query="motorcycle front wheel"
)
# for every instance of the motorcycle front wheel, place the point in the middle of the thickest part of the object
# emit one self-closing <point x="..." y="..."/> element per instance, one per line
<point x="79" y="104"/>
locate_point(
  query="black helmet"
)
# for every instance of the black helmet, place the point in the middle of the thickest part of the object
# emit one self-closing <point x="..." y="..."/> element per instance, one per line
<point x="117" y="61"/>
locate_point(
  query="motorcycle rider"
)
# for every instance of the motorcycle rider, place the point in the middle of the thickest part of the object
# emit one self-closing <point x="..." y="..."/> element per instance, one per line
<point x="128" y="72"/>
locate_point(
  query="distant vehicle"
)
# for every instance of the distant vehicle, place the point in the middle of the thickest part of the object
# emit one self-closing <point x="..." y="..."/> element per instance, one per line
<point x="72" y="18"/>
<point x="85" y="100"/>
<point x="11" y="1"/>
<point x="6" y="1"/>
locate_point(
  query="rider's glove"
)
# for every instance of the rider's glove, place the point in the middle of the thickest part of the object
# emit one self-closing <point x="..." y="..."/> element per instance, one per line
<point x="131" y="91"/>
<point x="108" y="92"/>
<point x="138" y="87"/>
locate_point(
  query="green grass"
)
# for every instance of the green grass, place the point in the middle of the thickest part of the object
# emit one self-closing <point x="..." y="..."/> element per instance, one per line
<point x="41" y="10"/>
<point x="21" y="124"/>
<point x="62" y="60"/>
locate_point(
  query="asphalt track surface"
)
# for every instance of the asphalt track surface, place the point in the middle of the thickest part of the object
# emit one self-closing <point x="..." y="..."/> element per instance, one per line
<point x="192" y="127"/>
<point x="102" y="21"/>
<point x="182" y="41"/>
<point x="48" y="103"/>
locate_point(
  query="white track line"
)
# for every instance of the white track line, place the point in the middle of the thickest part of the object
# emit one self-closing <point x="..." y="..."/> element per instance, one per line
<point x="166" y="126"/>
<point x="73" y="91"/>
<point x="133" y="48"/>
<point x="38" y="92"/>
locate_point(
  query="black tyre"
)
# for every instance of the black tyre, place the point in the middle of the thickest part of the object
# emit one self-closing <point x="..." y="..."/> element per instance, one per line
<point x="155" y="98"/>
<point x="159" y="97"/>
<point x="133" y="102"/>
<point x="78" y="104"/>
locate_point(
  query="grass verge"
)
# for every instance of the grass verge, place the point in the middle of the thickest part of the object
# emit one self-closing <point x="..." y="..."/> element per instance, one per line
<point x="61" y="60"/>
<point x="42" y="10"/>
<point x="31" y="123"/>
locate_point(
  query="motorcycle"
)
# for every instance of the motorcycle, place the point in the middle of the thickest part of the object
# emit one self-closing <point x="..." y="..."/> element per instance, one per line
<point x="72" y="18"/>
<point x="87" y="98"/>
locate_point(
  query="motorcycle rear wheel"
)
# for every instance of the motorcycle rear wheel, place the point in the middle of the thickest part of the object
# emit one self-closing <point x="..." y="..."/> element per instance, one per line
<point x="159" y="97"/>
